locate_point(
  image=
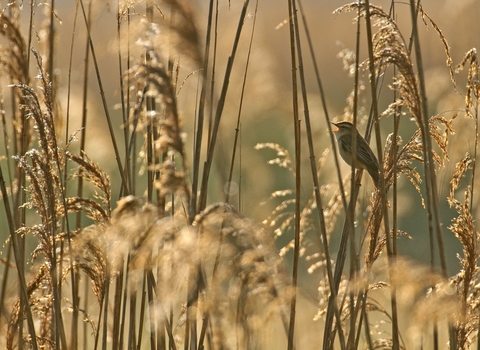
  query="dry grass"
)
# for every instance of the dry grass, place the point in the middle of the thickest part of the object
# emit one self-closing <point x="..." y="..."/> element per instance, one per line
<point x="143" y="251"/>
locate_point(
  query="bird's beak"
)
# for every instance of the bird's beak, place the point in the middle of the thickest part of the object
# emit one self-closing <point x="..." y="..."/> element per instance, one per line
<point x="337" y="130"/>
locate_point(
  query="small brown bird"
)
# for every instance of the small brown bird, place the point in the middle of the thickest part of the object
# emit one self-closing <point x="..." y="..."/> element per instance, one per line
<point x="365" y="159"/>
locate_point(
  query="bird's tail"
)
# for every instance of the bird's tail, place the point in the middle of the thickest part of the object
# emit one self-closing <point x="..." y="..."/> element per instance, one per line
<point x="374" y="174"/>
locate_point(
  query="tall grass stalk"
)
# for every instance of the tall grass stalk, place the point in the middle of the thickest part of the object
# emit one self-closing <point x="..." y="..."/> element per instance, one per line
<point x="124" y="188"/>
<point x="431" y="183"/>
<point x="313" y="164"/>
<point x="350" y="217"/>
<point x="292" y="15"/>
<point x="376" y="123"/>
<point x="199" y="121"/>
<point x="17" y="255"/>
<point x="160" y="264"/>
<point x="219" y="109"/>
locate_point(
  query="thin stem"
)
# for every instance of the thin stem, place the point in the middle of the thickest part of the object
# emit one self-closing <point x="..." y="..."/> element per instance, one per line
<point x="382" y="192"/>
<point x="219" y="110"/>
<point x="200" y="120"/>
<point x="73" y="273"/>
<point x="105" y="106"/>
<point x="124" y="93"/>
<point x="237" y="128"/>
<point x="350" y="219"/>
<point x="313" y="166"/>
<point x="297" y="135"/>
<point x="17" y="255"/>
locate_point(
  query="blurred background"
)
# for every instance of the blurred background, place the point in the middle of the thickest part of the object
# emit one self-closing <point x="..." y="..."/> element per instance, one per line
<point x="267" y="107"/>
<point x="266" y="114"/>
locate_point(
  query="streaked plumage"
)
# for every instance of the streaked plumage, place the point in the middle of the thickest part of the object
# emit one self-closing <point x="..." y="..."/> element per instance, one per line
<point x="365" y="158"/>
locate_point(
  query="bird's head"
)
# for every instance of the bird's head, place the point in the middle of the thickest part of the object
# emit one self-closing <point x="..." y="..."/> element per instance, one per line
<point x="344" y="128"/>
